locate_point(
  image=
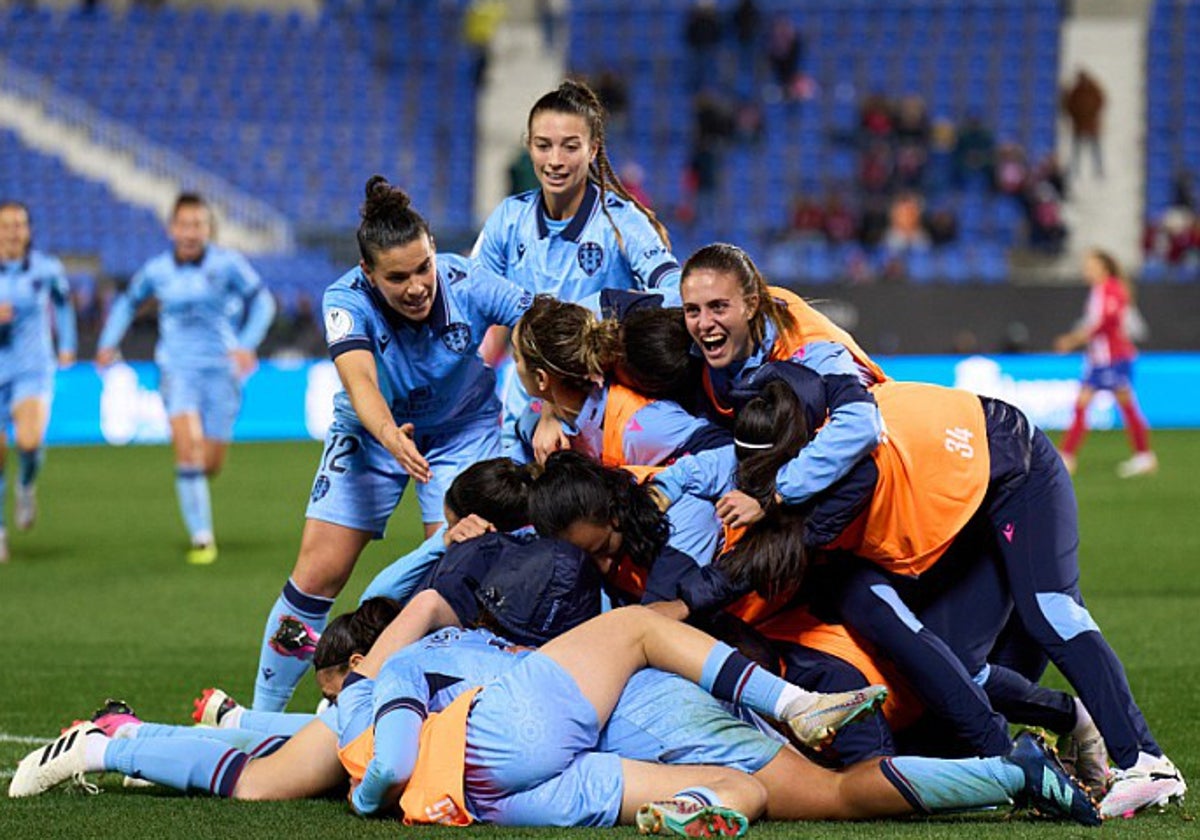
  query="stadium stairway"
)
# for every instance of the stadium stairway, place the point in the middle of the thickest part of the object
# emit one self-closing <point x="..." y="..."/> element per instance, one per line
<point x="521" y="69"/>
<point x="1109" y="40"/>
<point x="137" y="170"/>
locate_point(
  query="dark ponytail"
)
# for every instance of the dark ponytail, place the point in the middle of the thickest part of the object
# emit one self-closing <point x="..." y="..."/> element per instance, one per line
<point x="388" y="220"/>
<point x="770" y="431"/>
<point x="496" y="489"/>
<point x="354" y="632"/>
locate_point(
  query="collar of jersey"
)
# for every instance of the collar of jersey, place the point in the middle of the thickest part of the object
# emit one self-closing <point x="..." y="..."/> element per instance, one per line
<point x="572" y="232"/>
<point x="439" y="313"/>
<point x="196" y="262"/>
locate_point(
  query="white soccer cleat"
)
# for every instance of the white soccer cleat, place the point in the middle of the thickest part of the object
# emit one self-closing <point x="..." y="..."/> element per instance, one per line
<point x="62" y="759"/>
<point x="686" y="818"/>
<point x="26" y="508"/>
<point x="1149" y="783"/>
<point x="815" y="726"/>
<point x="211" y="707"/>
<point x="1143" y="463"/>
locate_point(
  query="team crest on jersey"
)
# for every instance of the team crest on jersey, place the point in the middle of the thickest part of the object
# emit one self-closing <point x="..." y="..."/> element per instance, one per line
<point x="338" y="323"/>
<point x="457" y="337"/>
<point x="591" y="257"/>
<point x="320" y="488"/>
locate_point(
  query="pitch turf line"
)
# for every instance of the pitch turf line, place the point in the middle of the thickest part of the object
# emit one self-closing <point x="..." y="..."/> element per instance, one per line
<point x="6" y="738"/>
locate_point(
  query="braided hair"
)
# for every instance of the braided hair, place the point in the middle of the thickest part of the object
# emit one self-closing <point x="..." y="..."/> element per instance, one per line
<point x="575" y="97"/>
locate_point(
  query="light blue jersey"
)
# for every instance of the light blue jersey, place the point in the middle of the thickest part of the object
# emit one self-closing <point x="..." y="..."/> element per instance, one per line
<point x="655" y="433"/>
<point x="429" y="373"/>
<point x="199" y="305"/>
<point x="586" y="256"/>
<point x="33" y="286"/>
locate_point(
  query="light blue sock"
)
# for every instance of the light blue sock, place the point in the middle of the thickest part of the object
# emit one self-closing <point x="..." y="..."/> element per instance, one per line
<point x="937" y="784"/>
<point x="243" y="739"/>
<point x="31" y="463"/>
<point x="274" y="723"/>
<point x="702" y="796"/>
<point x="280" y="673"/>
<point x="181" y="763"/>
<point x="731" y="676"/>
<point x="191" y="485"/>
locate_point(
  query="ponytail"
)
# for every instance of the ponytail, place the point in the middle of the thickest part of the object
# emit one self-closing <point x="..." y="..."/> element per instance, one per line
<point x="388" y="220"/>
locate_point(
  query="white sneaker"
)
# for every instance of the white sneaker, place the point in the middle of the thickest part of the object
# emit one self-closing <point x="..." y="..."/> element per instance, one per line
<point x="1155" y="782"/>
<point x="62" y="759"/>
<point x="818" y="724"/>
<point x="26" y="508"/>
<point x="1143" y="463"/>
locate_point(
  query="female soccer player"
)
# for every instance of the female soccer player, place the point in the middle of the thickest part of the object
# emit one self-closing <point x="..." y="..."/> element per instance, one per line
<point x="918" y="495"/>
<point x="30" y="283"/>
<point x="1108" y="363"/>
<point x="403" y="328"/>
<point x="202" y="357"/>
<point x="581" y="231"/>
<point x="739" y="323"/>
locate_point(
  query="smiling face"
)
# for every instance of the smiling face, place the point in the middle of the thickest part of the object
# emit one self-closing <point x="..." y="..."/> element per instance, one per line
<point x="14" y="232"/>
<point x="190" y="230"/>
<point x="718" y="315"/>
<point x="406" y="276"/>
<point x="560" y="146"/>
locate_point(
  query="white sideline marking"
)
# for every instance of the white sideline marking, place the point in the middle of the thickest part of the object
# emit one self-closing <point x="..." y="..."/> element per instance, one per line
<point x="7" y="774"/>
<point x="6" y="738"/>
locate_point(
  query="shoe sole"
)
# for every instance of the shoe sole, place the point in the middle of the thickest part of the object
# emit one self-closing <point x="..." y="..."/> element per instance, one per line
<point x="865" y="710"/>
<point x="714" y="823"/>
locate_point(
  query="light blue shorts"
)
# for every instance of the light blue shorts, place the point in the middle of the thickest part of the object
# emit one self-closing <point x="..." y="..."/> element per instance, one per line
<point x="215" y="394"/>
<point x="359" y="483"/>
<point x="664" y="718"/>
<point x="530" y="754"/>
<point x="23" y="386"/>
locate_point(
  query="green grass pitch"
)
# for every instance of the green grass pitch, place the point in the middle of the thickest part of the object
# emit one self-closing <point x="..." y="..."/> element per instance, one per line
<point x="98" y="602"/>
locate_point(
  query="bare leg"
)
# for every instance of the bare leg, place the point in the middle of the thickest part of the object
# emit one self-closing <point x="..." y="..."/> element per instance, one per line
<point x="307" y="765"/>
<point x="646" y="782"/>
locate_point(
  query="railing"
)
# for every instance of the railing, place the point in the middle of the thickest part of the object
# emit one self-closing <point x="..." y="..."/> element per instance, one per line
<point x="232" y="203"/>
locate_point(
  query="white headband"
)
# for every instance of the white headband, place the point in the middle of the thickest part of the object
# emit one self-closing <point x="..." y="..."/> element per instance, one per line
<point x="745" y="445"/>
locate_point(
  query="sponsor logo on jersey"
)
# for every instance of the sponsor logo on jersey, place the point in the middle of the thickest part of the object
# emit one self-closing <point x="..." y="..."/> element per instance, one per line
<point x="338" y="324"/>
<point x="457" y="337"/>
<point x="591" y="257"/>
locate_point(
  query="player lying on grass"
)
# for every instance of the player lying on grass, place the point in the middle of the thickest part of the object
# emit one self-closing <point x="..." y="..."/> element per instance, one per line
<point x="697" y="731"/>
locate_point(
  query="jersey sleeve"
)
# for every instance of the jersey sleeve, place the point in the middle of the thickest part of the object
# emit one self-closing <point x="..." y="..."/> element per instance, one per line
<point x="658" y="431"/>
<point x="489" y="247"/>
<point x="707" y="474"/>
<point x="498" y="300"/>
<point x="347" y="321"/>
<point x="650" y="260"/>
<point x="401" y="578"/>
<point x="64" y="312"/>
<point x="401" y="706"/>
<point x="120" y="314"/>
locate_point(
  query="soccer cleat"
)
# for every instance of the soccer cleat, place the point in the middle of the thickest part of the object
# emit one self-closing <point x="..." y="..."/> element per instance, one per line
<point x="202" y="555"/>
<point x="113" y="715"/>
<point x="211" y="707"/>
<point x="1154" y="783"/>
<point x="816" y="726"/>
<point x="688" y="818"/>
<point x="1085" y="757"/>
<point x="294" y="638"/>
<point x="1143" y="463"/>
<point x="26" y="508"/>
<point x="1049" y="789"/>
<point x="62" y="759"/>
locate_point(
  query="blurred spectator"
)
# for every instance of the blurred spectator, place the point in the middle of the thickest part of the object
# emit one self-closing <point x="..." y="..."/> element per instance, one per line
<point x="905" y="230"/>
<point x="1175" y="238"/>
<point x="873" y="223"/>
<point x="1049" y="170"/>
<point x="974" y="153"/>
<point x="840" y="224"/>
<point x="613" y="93"/>
<point x="911" y="128"/>
<point x="480" y="23"/>
<point x="1012" y="171"/>
<point x="1183" y="190"/>
<point x="1083" y="104"/>
<point x="713" y="125"/>
<point x="746" y="22"/>
<point x="942" y="225"/>
<point x="521" y="175"/>
<point x="702" y="34"/>
<point x="808" y="219"/>
<point x="939" y="167"/>
<point x="785" y="51"/>
<point x="876" y="168"/>
<point x="749" y="123"/>
<point x="1044" y="209"/>
<point x="633" y="177"/>
<point x="874" y="119"/>
<point x="550" y="14"/>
